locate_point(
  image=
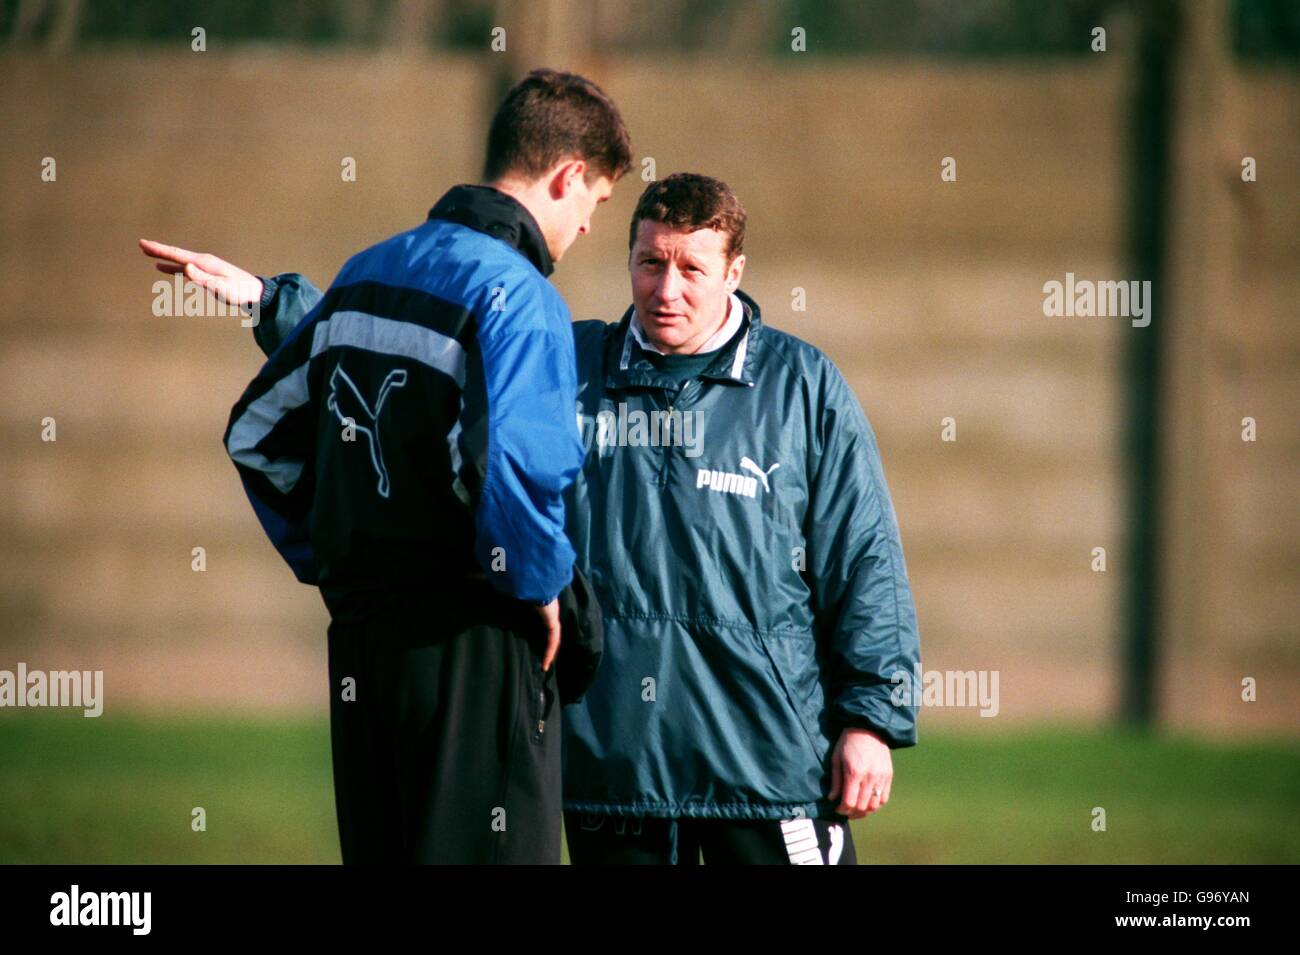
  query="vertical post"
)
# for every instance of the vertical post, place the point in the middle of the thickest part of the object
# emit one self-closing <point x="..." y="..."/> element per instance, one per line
<point x="1150" y="120"/>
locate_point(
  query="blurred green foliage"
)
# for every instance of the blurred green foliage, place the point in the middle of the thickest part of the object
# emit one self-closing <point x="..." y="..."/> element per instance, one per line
<point x="1265" y="29"/>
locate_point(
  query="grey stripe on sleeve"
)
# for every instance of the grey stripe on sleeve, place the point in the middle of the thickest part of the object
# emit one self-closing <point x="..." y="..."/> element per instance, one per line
<point x="385" y="336"/>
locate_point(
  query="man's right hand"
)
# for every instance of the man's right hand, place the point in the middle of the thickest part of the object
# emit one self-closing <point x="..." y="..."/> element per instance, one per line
<point x="550" y="614"/>
<point x="229" y="283"/>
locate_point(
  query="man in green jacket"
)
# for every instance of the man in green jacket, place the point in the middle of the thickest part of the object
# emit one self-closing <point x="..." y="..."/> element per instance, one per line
<point x="734" y="521"/>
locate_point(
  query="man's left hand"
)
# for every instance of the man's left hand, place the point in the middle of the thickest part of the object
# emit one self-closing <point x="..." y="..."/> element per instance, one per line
<point x="862" y="769"/>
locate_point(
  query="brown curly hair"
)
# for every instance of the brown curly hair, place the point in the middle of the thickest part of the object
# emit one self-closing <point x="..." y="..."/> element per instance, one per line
<point x="688" y="200"/>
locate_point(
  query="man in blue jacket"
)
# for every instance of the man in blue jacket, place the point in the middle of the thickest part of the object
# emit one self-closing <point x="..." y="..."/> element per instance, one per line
<point x="407" y="448"/>
<point x="735" y="522"/>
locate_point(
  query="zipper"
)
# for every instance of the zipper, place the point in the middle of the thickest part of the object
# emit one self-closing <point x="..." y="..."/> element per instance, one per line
<point x="539" y="714"/>
<point x="667" y="448"/>
<point x="676" y="435"/>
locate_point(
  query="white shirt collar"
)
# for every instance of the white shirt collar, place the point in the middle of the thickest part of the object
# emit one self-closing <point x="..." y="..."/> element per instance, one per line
<point x="735" y="315"/>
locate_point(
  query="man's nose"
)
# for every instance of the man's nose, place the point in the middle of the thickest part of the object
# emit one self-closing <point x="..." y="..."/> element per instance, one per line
<point x="669" y="284"/>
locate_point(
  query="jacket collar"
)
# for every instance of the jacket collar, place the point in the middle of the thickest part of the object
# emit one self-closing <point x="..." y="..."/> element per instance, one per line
<point x="494" y="213"/>
<point x="627" y="367"/>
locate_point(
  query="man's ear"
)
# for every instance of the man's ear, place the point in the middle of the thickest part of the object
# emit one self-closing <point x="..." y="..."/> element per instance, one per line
<point x="565" y="177"/>
<point x="734" y="271"/>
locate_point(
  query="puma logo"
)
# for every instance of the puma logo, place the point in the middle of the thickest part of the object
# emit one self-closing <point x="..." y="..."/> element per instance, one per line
<point x="747" y="465"/>
<point x="344" y="394"/>
<point x="727" y="482"/>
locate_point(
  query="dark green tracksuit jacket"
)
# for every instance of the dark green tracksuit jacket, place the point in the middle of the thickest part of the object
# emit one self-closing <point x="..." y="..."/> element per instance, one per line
<point x="749" y="568"/>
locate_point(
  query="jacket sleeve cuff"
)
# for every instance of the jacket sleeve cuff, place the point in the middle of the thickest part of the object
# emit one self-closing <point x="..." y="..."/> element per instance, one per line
<point x="270" y="286"/>
<point x="896" y="729"/>
<point x="264" y="330"/>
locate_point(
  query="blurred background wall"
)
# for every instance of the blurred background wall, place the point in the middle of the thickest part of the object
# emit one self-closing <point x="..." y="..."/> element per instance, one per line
<point x="927" y="294"/>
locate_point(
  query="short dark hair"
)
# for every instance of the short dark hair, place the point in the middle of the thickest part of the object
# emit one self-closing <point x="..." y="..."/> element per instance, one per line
<point x="687" y="200"/>
<point x="549" y="115"/>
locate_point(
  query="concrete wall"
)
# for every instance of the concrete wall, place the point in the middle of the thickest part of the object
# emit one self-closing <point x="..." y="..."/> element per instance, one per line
<point x="928" y="295"/>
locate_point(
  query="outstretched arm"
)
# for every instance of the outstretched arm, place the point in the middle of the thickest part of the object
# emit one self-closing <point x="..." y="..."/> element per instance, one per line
<point x="279" y="303"/>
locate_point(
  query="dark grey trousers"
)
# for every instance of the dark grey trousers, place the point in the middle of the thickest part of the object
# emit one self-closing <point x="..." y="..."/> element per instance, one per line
<point x="448" y="750"/>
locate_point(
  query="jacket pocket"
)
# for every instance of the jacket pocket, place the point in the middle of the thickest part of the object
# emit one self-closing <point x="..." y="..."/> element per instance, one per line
<point x="540" y="704"/>
<point x="795" y="671"/>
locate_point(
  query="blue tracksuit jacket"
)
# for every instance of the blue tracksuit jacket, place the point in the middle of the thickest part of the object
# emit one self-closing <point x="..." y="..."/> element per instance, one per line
<point x="418" y="422"/>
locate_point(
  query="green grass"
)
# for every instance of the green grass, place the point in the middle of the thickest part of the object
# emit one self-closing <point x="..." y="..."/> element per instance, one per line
<point x="76" y="790"/>
<point x="1029" y="798"/>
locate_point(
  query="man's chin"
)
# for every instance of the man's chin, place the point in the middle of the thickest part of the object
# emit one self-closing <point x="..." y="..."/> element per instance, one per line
<point x="663" y="335"/>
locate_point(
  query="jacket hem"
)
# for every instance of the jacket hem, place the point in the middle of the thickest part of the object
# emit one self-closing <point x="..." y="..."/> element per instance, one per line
<point x="733" y="810"/>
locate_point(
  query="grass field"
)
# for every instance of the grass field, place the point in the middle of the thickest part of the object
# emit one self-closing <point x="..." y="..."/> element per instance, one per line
<point x="76" y="790"/>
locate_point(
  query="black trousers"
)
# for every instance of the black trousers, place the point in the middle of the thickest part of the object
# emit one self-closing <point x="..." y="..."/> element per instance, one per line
<point x="620" y="840"/>
<point x="445" y="732"/>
